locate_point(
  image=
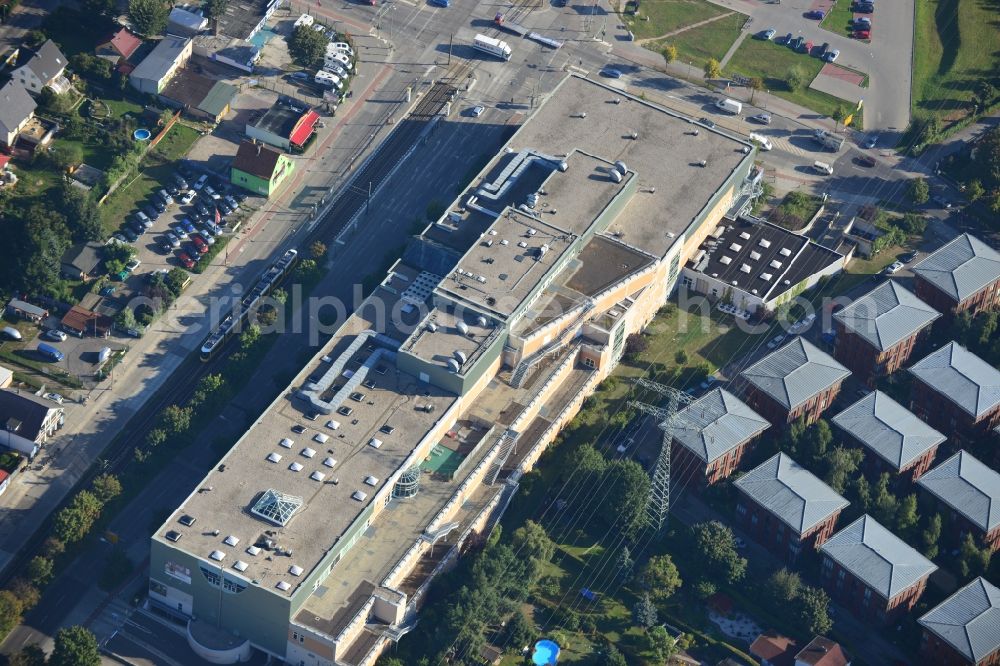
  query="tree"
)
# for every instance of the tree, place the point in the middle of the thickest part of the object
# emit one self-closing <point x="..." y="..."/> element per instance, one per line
<point x="625" y="562"/>
<point x="10" y="611"/>
<point x="919" y="190"/>
<point x="307" y="46"/>
<point x="149" y="17"/>
<point x="175" y="419"/>
<point x="839" y="114"/>
<point x="53" y="547"/>
<point x="972" y="560"/>
<point x="975" y="190"/>
<point x="681" y="357"/>
<point x="840" y="464"/>
<point x="81" y="214"/>
<point x="906" y="514"/>
<point x="26" y="593"/>
<point x="783" y="587"/>
<point x="519" y="632"/>
<point x="669" y="53"/>
<point x="126" y="319"/>
<point x="931" y="536"/>
<point x="280" y="295"/>
<point x="217" y="8"/>
<point x="661" y="644"/>
<point x="317" y="249"/>
<point x="862" y="494"/>
<point x="628" y="493"/>
<point x="62" y="156"/>
<point x="635" y="344"/>
<point x="817" y="439"/>
<point x="155" y="437"/>
<point x="644" y="611"/>
<point x="794" y="79"/>
<point x="613" y="657"/>
<point x="705" y="588"/>
<point x="982" y="95"/>
<point x="886" y="504"/>
<point x="30" y="655"/>
<point x="533" y="543"/>
<point x="40" y="570"/>
<point x="756" y="84"/>
<point x="74" y="521"/>
<point x="717" y="546"/>
<point x="660" y="576"/>
<point x="814" y="610"/>
<point x="75" y="646"/>
<point x="107" y="487"/>
<point x="713" y="69"/>
<point x="250" y="337"/>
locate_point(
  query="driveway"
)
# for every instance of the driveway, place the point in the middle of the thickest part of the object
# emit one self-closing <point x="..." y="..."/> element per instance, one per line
<point x="886" y="59"/>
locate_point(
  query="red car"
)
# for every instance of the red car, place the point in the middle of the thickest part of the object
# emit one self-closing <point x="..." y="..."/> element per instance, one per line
<point x="197" y="250"/>
<point x="185" y="259"/>
<point x="862" y="34"/>
<point x="200" y="243"/>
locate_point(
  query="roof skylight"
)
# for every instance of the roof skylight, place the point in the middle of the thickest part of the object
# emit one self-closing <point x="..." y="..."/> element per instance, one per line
<point x="276" y="507"/>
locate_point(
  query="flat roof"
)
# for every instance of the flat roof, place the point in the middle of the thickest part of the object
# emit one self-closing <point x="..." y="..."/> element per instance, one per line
<point x="279" y="120"/>
<point x="666" y="155"/>
<point x="242" y="18"/>
<point x="246" y="473"/>
<point x="159" y="61"/>
<point x="760" y="258"/>
<point x="440" y="339"/>
<point x="497" y="278"/>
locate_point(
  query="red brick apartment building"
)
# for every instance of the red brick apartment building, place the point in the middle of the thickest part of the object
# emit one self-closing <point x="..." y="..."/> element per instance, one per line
<point x="873" y="572"/>
<point x="711" y="436"/>
<point x="877" y="333"/>
<point x="968" y="492"/>
<point x="956" y="392"/>
<point x="785" y="507"/>
<point x="962" y="629"/>
<point x="961" y="276"/>
<point x="893" y="438"/>
<point x="796" y="381"/>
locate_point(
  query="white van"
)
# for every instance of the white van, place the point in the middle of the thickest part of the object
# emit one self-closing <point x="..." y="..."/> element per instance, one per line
<point x="11" y="333"/>
<point x="730" y="106"/>
<point x="762" y="141"/>
<point x="823" y="168"/>
<point x="338" y="58"/>
<point x="342" y="47"/>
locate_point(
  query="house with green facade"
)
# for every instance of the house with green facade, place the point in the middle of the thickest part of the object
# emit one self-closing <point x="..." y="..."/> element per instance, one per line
<point x="260" y="169"/>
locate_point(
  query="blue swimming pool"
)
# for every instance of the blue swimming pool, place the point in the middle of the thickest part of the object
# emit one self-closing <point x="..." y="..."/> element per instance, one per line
<point x="546" y="653"/>
<point x="142" y="134"/>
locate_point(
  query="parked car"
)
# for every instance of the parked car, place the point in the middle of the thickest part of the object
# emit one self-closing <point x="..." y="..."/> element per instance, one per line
<point x="210" y="192"/>
<point x="908" y="257"/>
<point x="196" y="250"/>
<point x="202" y="208"/>
<point x="893" y="267"/>
<point x="199" y="242"/>
<point x="823" y="49"/>
<point x="941" y="201"/>
<point x="761" y="118"/>
<point x="108" y="290"/>
<point x="611" y="73"/>
<point x="815" y="14"/>
<point x="187" y="225"/>
<point x="158" y="204"/>
<point x="784" y="40"/>
<point x="198" y="184"/>
<point x="766" y="34"/>
<point x="707" y="122"/>
<point x="172" y="240"/>
<point x="832" y="56"/>
<point x="151" y="212"/>
<point x="805" y="47"/>
<point x="862" y="34"/>
<point x="129" y="234"/>
<point x="181" y="232"/>
<point x="231" y="200"/>
<point x="185" y="259"/>
<point x="143" y="219"/>
<point x="299" y="76"/>
<point x="795" y="43"/>
<point x="165" y="197"/>
<point x="188" y="197"/>
<point x="866" y="161"/>
<point x="137" y="227"/>
<point x="54" y="335"/>
<point x="871" y="141"/>
<point x="208" y="238"/>
<point x="477" y="110"/>
<point x="180" y="181"/>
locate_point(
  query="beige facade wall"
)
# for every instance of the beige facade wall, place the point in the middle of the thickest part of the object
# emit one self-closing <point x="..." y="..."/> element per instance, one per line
<point x="712" y="220"/>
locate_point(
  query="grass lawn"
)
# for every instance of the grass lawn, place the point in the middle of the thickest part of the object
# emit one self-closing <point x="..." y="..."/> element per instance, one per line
<point x="119" y="107"/>
<point x="150" y="178"/>
<point x="772" y="63"/>
<point x="838" y="20"/>
<point x="712" y="40"/>
<point x="669" y="15"/>
<point x="954" y="53"/>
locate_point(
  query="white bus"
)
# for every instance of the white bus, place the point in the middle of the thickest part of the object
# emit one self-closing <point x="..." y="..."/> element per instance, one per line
<point x="494" y="47"/>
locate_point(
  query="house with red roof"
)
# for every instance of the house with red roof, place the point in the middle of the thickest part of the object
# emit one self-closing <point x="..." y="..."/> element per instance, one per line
<point x="118" y="48"/>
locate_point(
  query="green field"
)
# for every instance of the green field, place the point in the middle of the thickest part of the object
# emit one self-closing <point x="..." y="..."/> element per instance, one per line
<point x="666" y="16"/>
<point x="711" y="40"/>
<point x="772" y="63"/>
<point x="838" y="19"/>
<point x="956" y="47"/>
